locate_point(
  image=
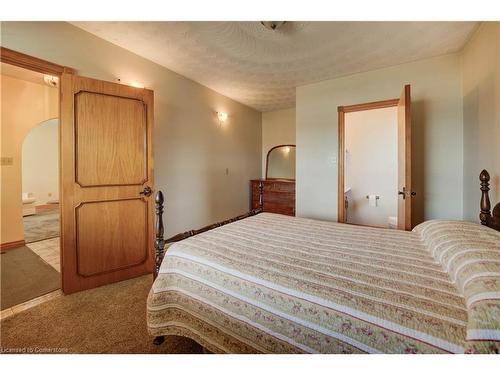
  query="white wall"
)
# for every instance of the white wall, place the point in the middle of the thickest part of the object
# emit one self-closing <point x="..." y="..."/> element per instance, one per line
<point x="481" y="90"/>
<point x="278" y="128"/>
<point x="41" y="162"/>
<point x="437" y="135"/>
<point x="191" y="151"/>
<point x="371" y="167"/>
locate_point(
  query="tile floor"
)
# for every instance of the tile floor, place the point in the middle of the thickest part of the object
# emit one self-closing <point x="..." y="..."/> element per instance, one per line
<point x="43" y="225"/>
<point x="49" y="251"/>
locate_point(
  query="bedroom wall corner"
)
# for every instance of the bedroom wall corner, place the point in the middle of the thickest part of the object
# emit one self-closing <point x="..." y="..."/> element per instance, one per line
<point x="278" y="128"/>
<point x="481" y="112"/>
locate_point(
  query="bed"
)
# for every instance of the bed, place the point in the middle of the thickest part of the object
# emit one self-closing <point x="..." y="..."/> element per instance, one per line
<point x="269" y="283"/>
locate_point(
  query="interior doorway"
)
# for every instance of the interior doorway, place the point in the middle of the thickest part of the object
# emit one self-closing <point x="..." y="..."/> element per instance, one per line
<point x="105" y="179"/>
<point x="40" y="182"/>
<point x="371" y="167"/>
<point x="30" y="256"/>
<point x="374" y="152"/>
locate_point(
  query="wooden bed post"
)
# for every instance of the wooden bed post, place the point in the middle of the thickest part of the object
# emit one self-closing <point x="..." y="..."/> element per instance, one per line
<point x="159" y="241"/>
<point x="261" y="196"/>
<point x="485" y="214"/>
<point x="159" y="246"/>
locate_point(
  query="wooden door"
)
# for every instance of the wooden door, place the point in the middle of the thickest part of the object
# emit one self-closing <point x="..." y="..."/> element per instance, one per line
<point x="404" y="160"/>
<point x="106" y="167"/>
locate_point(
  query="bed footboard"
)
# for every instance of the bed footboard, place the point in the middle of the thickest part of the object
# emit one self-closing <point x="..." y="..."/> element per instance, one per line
<point x="160" y="242"/>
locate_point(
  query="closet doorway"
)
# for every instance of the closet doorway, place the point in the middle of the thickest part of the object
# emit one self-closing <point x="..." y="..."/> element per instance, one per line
<point x="374" y="184"/>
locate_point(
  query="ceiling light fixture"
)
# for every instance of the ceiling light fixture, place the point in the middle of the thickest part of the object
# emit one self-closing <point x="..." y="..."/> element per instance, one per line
<point x="272" y="25"/>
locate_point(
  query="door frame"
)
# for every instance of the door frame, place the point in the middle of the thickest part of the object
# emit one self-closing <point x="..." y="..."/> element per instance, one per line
<point x="342" y="110"/>
<point x="32" y="63"/>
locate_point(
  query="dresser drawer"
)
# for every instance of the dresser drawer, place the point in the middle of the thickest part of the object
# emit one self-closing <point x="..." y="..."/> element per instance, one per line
<point x="286" y="187"/>
<point x="278" y="196"/>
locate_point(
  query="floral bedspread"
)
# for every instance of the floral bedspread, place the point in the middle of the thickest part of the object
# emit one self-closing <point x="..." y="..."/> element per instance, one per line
<point x="277" y="284"/>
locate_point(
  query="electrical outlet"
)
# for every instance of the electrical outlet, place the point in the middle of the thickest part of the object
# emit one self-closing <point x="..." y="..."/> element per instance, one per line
<point x="50" y="194"/>
<point x="333" y="159"/>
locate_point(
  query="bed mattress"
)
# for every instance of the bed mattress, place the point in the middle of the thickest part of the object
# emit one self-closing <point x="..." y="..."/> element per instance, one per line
<point x="277" y="284"/>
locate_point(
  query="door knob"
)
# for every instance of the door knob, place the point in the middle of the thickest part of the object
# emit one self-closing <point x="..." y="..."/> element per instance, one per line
<point x="147" y="191"/>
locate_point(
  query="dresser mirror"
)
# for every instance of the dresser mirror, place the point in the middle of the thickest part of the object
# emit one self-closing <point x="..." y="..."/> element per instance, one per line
<point x="280" y="163"/>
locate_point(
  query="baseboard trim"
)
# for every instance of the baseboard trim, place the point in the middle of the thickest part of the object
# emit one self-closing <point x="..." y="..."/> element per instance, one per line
<point x="12" y="245"/>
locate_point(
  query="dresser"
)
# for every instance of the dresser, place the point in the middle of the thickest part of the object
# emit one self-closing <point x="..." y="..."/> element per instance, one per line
<point x="278" y="196"/>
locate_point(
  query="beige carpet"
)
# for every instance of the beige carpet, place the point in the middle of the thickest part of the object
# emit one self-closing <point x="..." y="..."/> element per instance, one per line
<point x="25" y="276"/>
<point x="109" y="319"/>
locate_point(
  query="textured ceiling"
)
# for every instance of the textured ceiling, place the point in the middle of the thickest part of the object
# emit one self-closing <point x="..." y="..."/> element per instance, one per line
<point x="261" y="68"/>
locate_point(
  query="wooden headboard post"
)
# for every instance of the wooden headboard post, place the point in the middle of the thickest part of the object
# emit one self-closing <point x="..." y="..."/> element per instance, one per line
<point x="485" y="213"/>
<point x="488" y="217"/>
<point x="159" y="241"/>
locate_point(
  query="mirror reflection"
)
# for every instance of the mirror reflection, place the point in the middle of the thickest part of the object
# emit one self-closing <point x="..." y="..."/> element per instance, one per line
<point x="281" y="162"/>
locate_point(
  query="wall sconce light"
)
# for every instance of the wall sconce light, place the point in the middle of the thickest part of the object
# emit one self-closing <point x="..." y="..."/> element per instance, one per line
<point x="51" y="80"/>
<point x="136" y="84"/>
<point x="130" y="83"/>
<point x="222" y="116"/>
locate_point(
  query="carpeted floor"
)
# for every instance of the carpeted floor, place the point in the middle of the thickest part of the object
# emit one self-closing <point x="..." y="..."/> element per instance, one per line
<point x="25" y="276"/>
<point x="43" y="225"/>
<point x="109" y="319"/>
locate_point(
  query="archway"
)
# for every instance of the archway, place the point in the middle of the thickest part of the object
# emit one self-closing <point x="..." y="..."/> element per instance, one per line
<point x="40" y="182"/>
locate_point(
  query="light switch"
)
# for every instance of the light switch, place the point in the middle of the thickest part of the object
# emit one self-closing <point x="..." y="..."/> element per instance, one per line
<point x="7" y="160"/>
<point x="333" y="159"/>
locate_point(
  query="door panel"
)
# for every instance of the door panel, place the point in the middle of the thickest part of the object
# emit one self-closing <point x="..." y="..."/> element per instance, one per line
<point x="115" y="243"/>
<point x="404" y="160"/>
<point x="110" y="140"/>
<point x="106" y="161"/>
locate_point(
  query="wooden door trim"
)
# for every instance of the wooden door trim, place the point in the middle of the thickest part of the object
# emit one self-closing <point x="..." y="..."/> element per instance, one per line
<point x="408" y="180"/>
<point x="342" y="110"/>
<point x="36" y="64"/>
<point x="22" y="60"/>
<point x="368" y="106"/>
